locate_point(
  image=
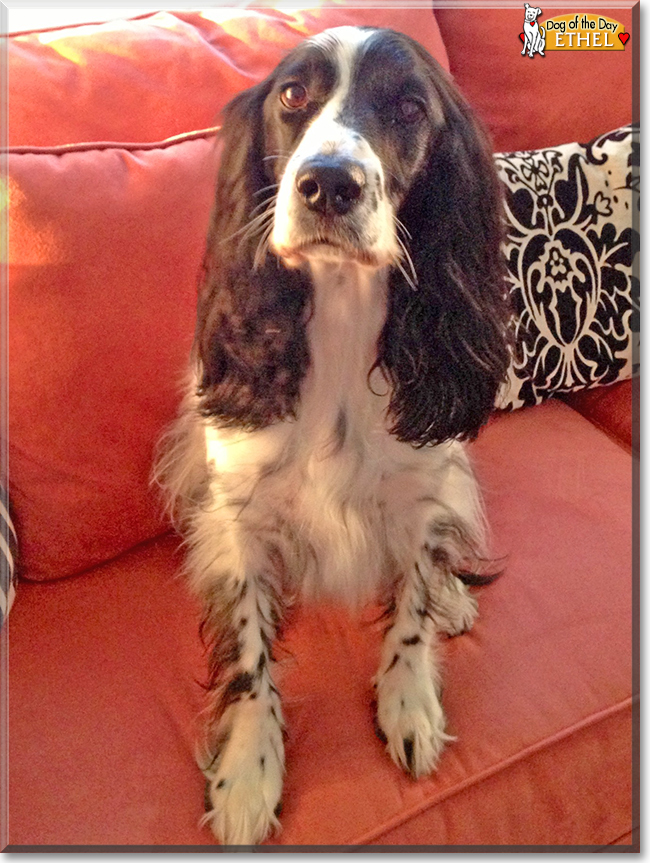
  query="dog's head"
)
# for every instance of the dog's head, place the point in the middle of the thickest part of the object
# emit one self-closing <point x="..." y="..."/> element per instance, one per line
<point x="355" y="113"/>
<point x="531" y="13"/>
<point x="358" y="147"/>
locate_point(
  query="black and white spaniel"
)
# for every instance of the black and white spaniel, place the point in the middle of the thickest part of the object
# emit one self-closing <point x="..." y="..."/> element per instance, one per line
<point x="351" y="333"/>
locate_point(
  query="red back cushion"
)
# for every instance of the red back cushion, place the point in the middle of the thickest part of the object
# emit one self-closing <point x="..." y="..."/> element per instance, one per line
<point x="528" y="103"/>
<point x="164" y="74"/>
<point x="104" y="251"/>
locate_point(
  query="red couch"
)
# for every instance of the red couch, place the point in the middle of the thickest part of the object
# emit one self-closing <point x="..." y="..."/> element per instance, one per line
<point x="105" y="240"/>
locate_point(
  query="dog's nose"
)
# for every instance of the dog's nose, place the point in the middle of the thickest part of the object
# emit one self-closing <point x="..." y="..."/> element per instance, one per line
<point x="330" y="186"/>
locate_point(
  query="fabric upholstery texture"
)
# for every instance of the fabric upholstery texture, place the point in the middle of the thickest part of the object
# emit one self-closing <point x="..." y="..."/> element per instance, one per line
<point x="117" y="89"/>
<point x="614" y="409"/>
<point x="105" y="248"/>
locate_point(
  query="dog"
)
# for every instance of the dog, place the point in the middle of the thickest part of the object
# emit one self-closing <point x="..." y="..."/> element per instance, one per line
<point x="534" y="35"/>
<point x="351" y="334"/>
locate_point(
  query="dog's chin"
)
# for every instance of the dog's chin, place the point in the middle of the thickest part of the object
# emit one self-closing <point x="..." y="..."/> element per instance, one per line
<point x="328" y="252"/>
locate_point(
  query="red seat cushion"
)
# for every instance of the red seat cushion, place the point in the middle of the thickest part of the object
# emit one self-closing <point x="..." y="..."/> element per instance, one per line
<point x="538" y="694"/>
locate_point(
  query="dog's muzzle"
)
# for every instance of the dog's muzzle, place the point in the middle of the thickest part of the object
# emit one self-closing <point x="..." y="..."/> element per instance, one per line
<point x="329" y="185"/>
<point x="331" y="206"/>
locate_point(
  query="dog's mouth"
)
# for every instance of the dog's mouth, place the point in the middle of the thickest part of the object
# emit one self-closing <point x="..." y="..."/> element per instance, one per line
<point x="327" y="249"/>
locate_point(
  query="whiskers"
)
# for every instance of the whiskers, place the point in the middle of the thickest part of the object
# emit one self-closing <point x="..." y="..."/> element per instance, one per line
<point x="263" y="244"/>
<point x="259" y="225"/>
<point x="261" y="217"/>
<point x="411" y="277"/>
<point x="277" y="155"/>
<point x="255" y="234"/>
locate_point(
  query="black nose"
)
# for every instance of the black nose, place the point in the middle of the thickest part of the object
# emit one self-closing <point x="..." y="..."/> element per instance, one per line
<point x="330" y="185"/>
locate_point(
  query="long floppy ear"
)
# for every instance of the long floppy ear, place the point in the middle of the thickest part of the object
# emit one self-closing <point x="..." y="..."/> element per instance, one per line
<point x="250" y="339"/>
<point x="444" y="344"/>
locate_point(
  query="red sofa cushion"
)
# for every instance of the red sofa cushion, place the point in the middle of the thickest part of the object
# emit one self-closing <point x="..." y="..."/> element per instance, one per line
<point x="611" y="409"/>
<point x="538" y="693"/>
<point x="165" y="74"/>
<point x="105" y="247"/>
<point x="540" y="102"/>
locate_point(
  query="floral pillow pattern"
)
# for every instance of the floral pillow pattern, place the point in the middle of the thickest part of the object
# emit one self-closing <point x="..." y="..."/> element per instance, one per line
<point x="7" y="557"/>
<point x="571" y="248"/>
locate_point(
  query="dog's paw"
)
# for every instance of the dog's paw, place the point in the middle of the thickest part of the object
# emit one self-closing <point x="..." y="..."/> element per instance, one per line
<point x="244" y="779"/>
<point x="454" y="609"/>
<point x="410" y="718"/>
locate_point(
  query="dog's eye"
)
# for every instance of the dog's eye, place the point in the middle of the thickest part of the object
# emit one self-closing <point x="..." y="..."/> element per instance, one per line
<point x="410" y="111"/>
<point x="294" y="96"/>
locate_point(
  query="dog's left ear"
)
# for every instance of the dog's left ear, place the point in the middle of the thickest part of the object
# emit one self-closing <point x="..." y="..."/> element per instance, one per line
<point x="444" y="345"/>
<point x="250" y="342"/>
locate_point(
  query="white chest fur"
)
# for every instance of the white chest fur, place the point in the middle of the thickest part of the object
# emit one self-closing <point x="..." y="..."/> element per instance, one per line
<point x="339" y="403"/>
<point x="341" y="433"/>
<point x="338" y="497"/>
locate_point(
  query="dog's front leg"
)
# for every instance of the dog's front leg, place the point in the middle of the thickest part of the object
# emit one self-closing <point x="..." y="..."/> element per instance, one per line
<point x="409" y="712"/>
<point x="244" y="766"/>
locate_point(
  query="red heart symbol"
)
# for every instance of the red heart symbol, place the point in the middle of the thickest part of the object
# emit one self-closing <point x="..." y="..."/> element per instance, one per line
<point x="624" y="37"/>
<point x="523" y="38"/>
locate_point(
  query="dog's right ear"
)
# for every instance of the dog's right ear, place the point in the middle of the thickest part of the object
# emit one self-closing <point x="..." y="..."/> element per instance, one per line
<point x="250" y="341"/>
<point x="242" y="172"/>
<point x="443" y="347"/>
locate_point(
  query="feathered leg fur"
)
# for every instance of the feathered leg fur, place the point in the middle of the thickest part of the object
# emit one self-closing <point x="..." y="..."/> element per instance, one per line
<point x="409" y="712"/>
<point x="430" y="598"/>
<point x="243" y="759"/>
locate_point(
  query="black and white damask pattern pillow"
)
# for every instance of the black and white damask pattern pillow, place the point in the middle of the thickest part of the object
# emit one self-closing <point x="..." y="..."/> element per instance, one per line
<point x="7" y="557"/>
<point x="571" y="250"/>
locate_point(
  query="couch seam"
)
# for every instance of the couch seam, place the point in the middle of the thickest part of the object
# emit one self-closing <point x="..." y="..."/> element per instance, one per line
<point x="608" y="431"/>
<point x="77" y="24"/>
<point x="499" y="767"/>
<point x="612" y="435"/>
<point x="90" y="146"/>
<point x="91" y="568"/>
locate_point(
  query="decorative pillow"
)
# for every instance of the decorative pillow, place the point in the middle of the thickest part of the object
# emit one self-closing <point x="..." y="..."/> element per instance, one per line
<point x="7" y="557"/>
<point x="571" y="248"/>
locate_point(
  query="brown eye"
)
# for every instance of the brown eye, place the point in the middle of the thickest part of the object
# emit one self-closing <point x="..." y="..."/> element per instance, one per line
<point x="410" y="111"/>
<point x="294" y="96"/>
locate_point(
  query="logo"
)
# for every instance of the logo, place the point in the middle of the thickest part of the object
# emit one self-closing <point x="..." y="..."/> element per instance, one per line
<point x="533" y="35"/>
<point x="582" y="31"/>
